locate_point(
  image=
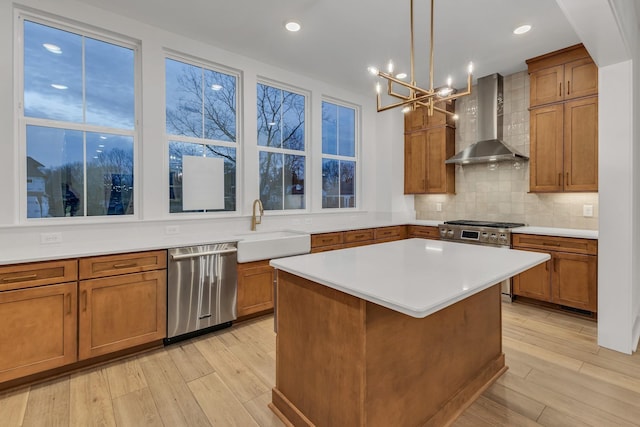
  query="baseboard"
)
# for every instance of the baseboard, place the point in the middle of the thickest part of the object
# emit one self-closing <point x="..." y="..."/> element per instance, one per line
<point x="636" y="334"/>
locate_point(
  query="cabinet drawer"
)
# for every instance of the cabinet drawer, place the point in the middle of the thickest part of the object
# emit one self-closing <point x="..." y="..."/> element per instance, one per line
<point x="326" y="239"/>
<point x="553" y="243"/>
<point x="388" y="233"/>
<point x="21" y="276"/>
<point x="423" y="231"/>
<point x="113" y="265"/>
<point x="358" y="235"/>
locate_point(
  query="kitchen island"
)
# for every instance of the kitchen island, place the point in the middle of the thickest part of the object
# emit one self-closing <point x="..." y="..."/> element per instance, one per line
<point x="402" y="333"/>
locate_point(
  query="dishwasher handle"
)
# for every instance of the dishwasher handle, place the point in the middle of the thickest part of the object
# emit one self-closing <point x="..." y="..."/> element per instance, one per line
<point x="199" y="254"/>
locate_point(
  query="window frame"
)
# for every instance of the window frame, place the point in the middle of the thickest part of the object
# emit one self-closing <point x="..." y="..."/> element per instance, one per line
<point x="307" y="153"/>
<point x="355" y="159"/>
<point x="168" y="138"/>
<point x="22" y="121"/>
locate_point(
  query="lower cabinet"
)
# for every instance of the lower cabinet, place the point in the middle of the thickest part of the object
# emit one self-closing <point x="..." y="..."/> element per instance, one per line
<point x="255" y="288"/>
<point x="568" y="279"/>
<point x="38" y="329"/>
<point x="120" y="312"/>
<point x="423" y="232"/>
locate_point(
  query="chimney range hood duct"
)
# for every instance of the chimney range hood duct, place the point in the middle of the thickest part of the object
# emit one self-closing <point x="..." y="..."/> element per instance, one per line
<point x="490" y="148"/>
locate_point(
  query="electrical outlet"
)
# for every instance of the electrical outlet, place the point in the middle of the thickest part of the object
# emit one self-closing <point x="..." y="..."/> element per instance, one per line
<point x="172" y="229"/>
<point x="587" y="210"/>
<point x="49" y="238"/>
<point x="438" y="207"/>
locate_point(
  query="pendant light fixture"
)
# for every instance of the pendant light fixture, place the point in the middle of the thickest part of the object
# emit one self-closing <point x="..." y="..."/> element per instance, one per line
<point x="418" y="97"/>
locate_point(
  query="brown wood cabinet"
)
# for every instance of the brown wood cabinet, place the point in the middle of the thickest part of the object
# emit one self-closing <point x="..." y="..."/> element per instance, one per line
<point x="390" y="234"/>
<point x="569" y="279"/>
<point x="39" y="328"/>
<point x="423" y="232"/>
<point x="255" y="288"/>
<point x="429" y="141"/>
<point x="121" y="311"/>
<point x="564" y="122"/>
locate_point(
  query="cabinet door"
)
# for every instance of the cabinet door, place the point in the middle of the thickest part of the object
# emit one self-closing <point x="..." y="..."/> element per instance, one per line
<point x="414" y="163"/>
<point x="534" y="283"/>
<point x="546" y="158"/>
<point x="581" y="145"/>
<point x="575" y="280"/>
<point x="546" y="86"/>
<point x="423" y="232"/>
<point x="121" y="312"/>
<point x="39" y="329"/>
<point x="581" y="78"/>
<point x="435" y="157"/>
<point x="255" y="288"/>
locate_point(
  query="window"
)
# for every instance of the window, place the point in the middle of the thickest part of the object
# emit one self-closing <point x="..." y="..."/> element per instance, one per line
<point x="201" y="121"/>
<point x="281" y="148"/>
<point x="338" y="156"/>
<point x="79" y="122"/>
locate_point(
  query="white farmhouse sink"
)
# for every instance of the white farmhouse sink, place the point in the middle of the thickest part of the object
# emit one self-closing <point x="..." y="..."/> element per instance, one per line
<point x="272" y="244"/>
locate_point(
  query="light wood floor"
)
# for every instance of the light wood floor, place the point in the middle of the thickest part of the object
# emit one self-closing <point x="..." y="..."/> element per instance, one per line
<point x="557" y="376"/>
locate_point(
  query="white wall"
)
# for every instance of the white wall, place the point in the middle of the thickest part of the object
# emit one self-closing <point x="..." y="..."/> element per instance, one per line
<point x="609" y="31"/>
<point x="152" y="211"/>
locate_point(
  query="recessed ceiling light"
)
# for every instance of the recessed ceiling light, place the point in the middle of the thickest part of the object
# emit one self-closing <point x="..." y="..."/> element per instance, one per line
<point x="522" y="29"/>
<point x="292" y="26"/>
<point x="401" y="76"/>
<point x="57" y="86"/>
<point x="52" y="48"/>
<point x="216" y="87"/>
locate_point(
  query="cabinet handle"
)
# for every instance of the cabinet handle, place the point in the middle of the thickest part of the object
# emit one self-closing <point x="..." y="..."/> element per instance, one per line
<point x="19" y="278"/>
<point x="126" y="265"/>
<point x="68" y="303"/>
<point x="560" y="89"/>
<point x="84" y="300"/>
<point x="568" y="87"/>
<point x="551" y="243"/>
<point x="567" y="181"/>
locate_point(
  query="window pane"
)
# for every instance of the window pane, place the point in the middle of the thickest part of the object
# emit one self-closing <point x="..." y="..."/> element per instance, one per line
<point x="109" y="74"/>
<point x="293" y="121"/>
<point x="330" y="184"/>
<point x="294" y="182"/>
<point x="53" y="76"/>
<point x="184" y="99"/>
<point x="347" y="184"/>
<point x="269" y="106"/>
<point x="346" y="131"/>
<point x="329" y="128"/>
<point x="109" y="174"/>
<point x="271" y="178"/>
<point x="55" y="176"/>
<point x="179" y="149"/>
<point x="219" y="106"/>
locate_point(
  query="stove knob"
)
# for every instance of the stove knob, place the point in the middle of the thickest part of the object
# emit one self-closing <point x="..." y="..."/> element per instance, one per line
<point x="494" y="237"/>
<point x="503" y="239"/>
<point x="450" y="233"/>
<point x="443" y="232"/>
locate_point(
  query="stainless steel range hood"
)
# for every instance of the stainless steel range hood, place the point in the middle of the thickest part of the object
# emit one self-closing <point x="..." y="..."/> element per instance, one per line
<point x="490" y="147"/>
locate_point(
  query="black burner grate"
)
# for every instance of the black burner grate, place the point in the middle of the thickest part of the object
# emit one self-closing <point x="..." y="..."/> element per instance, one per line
<point x="485" y="223"/>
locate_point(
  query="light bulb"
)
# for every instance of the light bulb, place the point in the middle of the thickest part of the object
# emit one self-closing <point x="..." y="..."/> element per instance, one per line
<point x="406" y="109"/>
<point x="470" y="67"/>
<point x="401" y="75"/>
<point x="456" y="117"/>
<point x="449" y="81"/>
<point x="390" y="67"/>
<point x="373" y="70"/>
<point x="377" y="87"/>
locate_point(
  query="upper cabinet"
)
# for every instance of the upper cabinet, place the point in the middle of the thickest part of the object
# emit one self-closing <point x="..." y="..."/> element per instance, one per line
<point x="564" y="122"/>
<point x="428" y="142"/>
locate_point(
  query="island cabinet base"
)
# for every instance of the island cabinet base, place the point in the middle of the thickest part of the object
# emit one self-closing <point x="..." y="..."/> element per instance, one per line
<point x="343" y="361"/>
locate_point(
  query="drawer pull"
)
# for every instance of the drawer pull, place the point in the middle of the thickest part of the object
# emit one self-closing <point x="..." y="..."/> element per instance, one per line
<point x="327" y="240"/>
<point x="359" y="236"/>
<point x="125" y="265"/>
<point x="68" y="303"/>
<point x="84" y="298"/>
<point x="551" y="243"/>
<point x="19" y="278"/>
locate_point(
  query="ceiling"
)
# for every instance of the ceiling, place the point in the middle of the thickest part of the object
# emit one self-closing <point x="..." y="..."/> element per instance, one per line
<point x="341" y="38"/>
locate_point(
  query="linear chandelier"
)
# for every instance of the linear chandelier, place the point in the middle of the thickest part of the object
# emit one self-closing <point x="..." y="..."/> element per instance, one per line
<point x="418" y="96"/>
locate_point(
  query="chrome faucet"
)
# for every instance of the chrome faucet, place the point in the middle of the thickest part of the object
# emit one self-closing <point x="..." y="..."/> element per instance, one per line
<point x="254" y="220"/>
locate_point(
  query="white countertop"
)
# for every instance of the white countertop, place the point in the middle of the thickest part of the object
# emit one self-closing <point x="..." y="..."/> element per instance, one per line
<point x="416" y="277"/>
<point x="559" y="232"/>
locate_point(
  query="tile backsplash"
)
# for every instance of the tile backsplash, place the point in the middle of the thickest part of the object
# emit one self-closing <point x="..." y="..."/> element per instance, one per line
<point x="499" y="192"/>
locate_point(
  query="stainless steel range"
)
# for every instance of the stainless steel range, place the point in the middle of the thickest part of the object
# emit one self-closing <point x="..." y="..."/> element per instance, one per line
<point x="484" y="233"/>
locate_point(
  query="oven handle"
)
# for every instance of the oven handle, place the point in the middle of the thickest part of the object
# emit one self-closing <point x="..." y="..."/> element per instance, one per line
<point x="199" y="254"/>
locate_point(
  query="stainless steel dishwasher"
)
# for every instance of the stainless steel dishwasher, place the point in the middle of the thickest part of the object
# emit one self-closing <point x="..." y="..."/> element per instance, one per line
<point x="202" y="289"/>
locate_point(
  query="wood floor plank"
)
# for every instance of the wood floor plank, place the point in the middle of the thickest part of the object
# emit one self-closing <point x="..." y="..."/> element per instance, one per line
<point x="551" y="417"/>
<point x="125" y="376"/>
<point x="137" y="409"/>
<point x="90" y="399"/>
<point x="514" y="401"/>
<point x="243" y="383"/>
<point x="176" y="404"/>
<point x="219" y="404"/>
<point x="621" y="380"/>
<point x="258" y="408"/>
<point x="13" y="404"/>
<point x="259" y="362"/>
<point x="189" y="360"/>
<point x="542" y="353"/>
<point x="48" y="404"/>
<point x="498" y="415"/>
